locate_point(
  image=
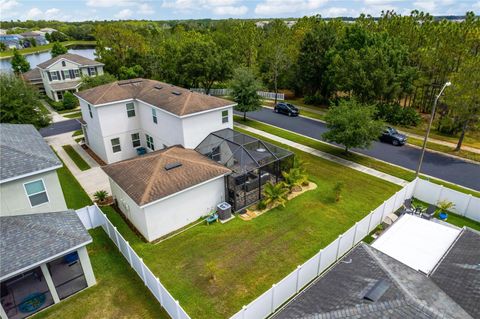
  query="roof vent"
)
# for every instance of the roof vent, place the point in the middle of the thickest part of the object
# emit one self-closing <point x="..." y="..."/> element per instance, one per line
<point x="170" y="166"/>
<point x="176" y="93"/>
<point x="158" y="87"/>
<point x="377" y="291"/>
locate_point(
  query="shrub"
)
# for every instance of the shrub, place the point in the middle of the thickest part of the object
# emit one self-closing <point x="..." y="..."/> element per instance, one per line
<point x="57" y="106"/>
<point x="294" y="177"/>
<point x="100" y="195"/>
<point x="337" y="190"/>
<point x="261" y="205"/>
<point x="445" y="205"/>
<point x="275" y="194"/>
<point x="69" y="101"/>
<point x="397" y="115"/>
<point x="315" y="99"/>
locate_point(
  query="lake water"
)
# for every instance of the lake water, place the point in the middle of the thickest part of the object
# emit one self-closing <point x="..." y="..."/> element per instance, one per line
<point x="37" y="58"/>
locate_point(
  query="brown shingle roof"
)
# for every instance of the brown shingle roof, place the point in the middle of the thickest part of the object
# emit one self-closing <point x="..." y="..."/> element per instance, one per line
<point x="33" y="74"/>
<point x="65" y="85"/>
<point x="71" y="57"/>
<point x="145" y="178"/>
<point x="171" y="98"/>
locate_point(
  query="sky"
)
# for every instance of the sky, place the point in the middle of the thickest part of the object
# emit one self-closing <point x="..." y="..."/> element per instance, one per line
<point x="80" y="10"/>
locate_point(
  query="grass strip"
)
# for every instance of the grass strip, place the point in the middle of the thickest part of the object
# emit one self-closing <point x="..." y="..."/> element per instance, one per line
<point x="73" y="115"/>
<point x="76" y="158"/>
<point x="445" y="149"/>
<point x="77" y="133"/>
<point x="357" y="158"/>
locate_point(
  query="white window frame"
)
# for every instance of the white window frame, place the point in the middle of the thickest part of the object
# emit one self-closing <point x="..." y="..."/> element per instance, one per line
<point x="92" y="70"/>
<point x="66" y="74"/>
<point x="115" y="145"/>
<point x="54" y="76"/>
<point x="90" y="110"/>
<point x="150" y="143"/>
<point x="130" y="110"/>
<point x="44" y="191"/>
<point x="225" y="118"/>
<point x="136" y="140"/>
<point x="154" y="116"/>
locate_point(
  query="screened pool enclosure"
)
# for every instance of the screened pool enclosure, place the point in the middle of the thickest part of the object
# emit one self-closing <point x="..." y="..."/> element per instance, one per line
<point x="253" y="162"/>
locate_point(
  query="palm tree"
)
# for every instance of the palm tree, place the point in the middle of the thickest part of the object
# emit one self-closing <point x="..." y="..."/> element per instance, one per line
<point x="275" y="194"/>
<point x="294" y="177"/>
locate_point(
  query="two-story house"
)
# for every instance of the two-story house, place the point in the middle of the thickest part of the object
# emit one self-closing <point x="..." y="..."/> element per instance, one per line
<point x="63" y="73"/>
<point x="120" y="117"/>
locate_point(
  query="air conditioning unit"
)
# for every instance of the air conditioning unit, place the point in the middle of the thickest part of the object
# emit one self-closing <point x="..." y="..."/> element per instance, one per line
<point x="224" y="211"/>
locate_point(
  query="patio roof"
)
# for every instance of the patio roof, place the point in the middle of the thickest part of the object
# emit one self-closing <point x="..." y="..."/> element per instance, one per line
<point x="240" y="152"/>
<point x="29" y="240"/>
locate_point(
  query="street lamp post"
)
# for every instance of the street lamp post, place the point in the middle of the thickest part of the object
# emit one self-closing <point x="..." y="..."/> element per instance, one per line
<point x="429" y="126"/>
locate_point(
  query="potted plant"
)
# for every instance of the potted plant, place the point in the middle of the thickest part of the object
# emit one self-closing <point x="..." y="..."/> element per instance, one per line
<point x="444" y="206"/>
<point x="101" y="197"/>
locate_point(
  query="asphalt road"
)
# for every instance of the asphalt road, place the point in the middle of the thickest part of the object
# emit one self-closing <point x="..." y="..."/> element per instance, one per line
<point x="60" y="128"/>
<point x="444" y="167"/>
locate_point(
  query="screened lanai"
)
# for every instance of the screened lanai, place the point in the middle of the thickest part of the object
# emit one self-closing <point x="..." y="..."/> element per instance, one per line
<point x="253" y="162"/>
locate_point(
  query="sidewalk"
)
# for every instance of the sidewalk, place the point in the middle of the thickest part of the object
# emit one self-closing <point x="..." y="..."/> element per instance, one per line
<point x="56" y="117"/>
<point x="93" y="179"/>
<point x="341" y="161"/>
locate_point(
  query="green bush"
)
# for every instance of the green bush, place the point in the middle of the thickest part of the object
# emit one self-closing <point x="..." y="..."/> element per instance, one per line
<point x="397" y="115"/>
<point x="261" y="205"/>
<point x="315" y="99"/>
<point x="69" y="101"/>
<point x="57" y="106"/>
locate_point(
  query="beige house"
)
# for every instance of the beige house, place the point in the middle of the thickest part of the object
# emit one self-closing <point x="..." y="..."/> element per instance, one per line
<point x="28" y="172"/>
<point x="63" y="74"/>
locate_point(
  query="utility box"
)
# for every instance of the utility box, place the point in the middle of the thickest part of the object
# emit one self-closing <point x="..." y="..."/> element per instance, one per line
<point x="224" y="211"/>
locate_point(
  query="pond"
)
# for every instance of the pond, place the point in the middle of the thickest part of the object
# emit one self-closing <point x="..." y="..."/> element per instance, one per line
<point x="37" y="58"/>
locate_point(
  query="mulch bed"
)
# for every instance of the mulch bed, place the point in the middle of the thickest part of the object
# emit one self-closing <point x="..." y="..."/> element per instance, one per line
<point x="93" y="155"/>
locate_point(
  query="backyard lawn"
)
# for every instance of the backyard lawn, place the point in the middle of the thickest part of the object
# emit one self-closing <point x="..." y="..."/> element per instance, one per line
<point x="214" y="270"/>
<point x="119" y="293"/>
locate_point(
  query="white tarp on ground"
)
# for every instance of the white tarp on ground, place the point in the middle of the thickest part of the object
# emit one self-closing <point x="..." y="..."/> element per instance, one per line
<point x="416" y="242"/>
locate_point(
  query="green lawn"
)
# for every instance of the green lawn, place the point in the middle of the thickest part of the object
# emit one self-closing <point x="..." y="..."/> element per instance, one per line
<point x="445" y="149"/>
<point x="119" y="292"/>
<point x="73" y="115"/>
<point x="68" y="111"/>
<point x="46" y="47"/>
<point x="76" y="158"/>
<point x="77" y="133"/>
<point x="364" y="160"/>
<point x="74" y="194"/>
<point x="214" y="270"/>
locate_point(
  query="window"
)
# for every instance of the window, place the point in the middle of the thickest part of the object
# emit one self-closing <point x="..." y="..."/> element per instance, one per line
<point x="150" y="144"/>
<point x="54" y="76"/>
<point x="92" y="71"/>
<point x="154" y="116"/>
<point x="136" y="139"/>
<point x="77" y="73"/>
<point x="116" y="145"/>
<point x="36" y="192"/>
<point x="90" y="111"/>
<point x="63" y="63"/>
<point x="66" y="74"/>
<point x="225" y="116"/>
<point x="130" y="109"/>
<point x="60" y="95"/>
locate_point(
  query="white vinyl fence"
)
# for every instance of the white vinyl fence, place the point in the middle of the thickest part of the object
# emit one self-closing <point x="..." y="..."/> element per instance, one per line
<point x="224" y="92"/>
<point x="91" y="217"/>
<point x="282" y="291"/>
<point x="465" y="205"/>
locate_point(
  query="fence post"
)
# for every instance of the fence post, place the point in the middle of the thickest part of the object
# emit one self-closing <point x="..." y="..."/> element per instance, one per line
<point x="159" y="291"/>
<point x="319" y="261"/>
<point x="89" y="218"/>
<point x="468" y="205"/>
<point x="338" y="246"/>
<point x="178" y="309"/>
<point x="385" y="207"/>
<point x="440" y="193"/>
<point x="106" y="226"/>
<point x="355" y="234"/>
<point x="370" y="221"/>
<point x="143" y="271"/>
<point x="129" y="254"/>
<point x="298" y="277"/>
<point x="272" y="307"/>
<point x="116" y="237"/>
<point x="244" y="309"/>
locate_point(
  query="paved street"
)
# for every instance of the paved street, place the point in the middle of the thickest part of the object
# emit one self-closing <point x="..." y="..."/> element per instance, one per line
<point x="60" y="127"/>
<point x="448" y="168"/>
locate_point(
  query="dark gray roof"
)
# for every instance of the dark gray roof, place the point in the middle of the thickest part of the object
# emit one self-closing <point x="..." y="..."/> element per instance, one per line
<point x="458" y="274"/>
<point x="23" y="151"/>
<point x="339" y="293"/>
<point x="29" y="239"/>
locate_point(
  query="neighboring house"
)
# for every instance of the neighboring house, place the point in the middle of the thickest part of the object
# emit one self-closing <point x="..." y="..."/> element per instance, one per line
<point x="165" y="190"/>
<point x="12" y="41"/>
<point x="64" y="73"/>
<point x="48" y="30"/>
<point x="28" y="172"/>
<point x="368" y="283"/>
<point x="37" y="35"/>
<point x="43" y="260"/>
<point x="34" y="77"/>
<point x="120" y="117"/>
